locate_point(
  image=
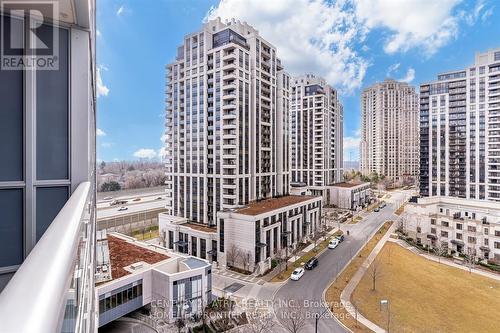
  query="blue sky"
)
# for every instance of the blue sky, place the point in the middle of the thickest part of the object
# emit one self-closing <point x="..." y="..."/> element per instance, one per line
<point x="352" y="43"/>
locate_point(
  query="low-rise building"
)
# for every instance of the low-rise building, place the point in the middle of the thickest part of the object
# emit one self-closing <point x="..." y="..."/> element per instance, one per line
<point x="132" y="274"/>
<point x="349" y="195"/>
<point x="184" y="236"/>
<point x="461" y="225"/>
<point x="250" y="236"/>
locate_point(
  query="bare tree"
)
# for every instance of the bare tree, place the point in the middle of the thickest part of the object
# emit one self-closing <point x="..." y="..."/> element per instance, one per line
<point x="282" y="259"/>
<point x="440" y="249"/>
<point x="246" y="258"/>
<point x="260" y="323"/>
<point x="375" y="272"/>
<point x="232" y="255"/>
<point x="294" y="316"/>
<point x="470" y="258"/>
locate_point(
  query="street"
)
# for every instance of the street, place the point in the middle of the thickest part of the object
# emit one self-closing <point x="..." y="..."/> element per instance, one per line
<point x="311" y="286"/>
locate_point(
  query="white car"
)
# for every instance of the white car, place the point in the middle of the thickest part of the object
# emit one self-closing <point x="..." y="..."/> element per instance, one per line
<point x="297" y="274"/>
<point x="122" y="208"/>
<point x="333" y="243"/>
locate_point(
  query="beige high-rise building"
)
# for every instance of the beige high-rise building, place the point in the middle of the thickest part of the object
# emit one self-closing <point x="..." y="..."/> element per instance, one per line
<point x="390" y="130"/>
<point x="316" y="134"/>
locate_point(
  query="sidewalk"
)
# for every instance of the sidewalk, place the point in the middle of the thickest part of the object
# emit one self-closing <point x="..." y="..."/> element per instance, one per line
<point x="345" y="296"/>
<point x="446" y="261"/>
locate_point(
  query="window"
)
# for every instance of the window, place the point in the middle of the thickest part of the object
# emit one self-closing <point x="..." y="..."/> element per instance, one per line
<point x="445" y="224"/>
<point x="497" y="56"/>
<point x="497" y="233"/>
<point x="433" y="221"/>
<point x="497" y="245"/>
<point x="471" y="240"/>
<point x="471" y="228"/>
<point x="444" y="233"/>
<point x="459" y="226"/>
<point x="459" y="236"/>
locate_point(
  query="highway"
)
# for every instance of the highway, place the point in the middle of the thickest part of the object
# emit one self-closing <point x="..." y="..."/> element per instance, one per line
<point x="311" y="286"/>
<point x="132" y="206"/>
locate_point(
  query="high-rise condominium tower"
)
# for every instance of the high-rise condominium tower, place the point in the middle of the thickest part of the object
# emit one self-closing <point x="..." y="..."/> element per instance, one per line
<point x="316" y="134"/>
<point x="460" y="132"/>
<point x="226" y="122"/>
<point x="389" y="130"/>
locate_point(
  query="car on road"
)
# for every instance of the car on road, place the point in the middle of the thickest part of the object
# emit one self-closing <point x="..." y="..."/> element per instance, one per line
<point x="122" y="208"/>
<point x="137" y="199"/>
<point x="377" y="209"/>
<point x="340" y="238"/>
<point x="297" y="274"/>
<point x="333" y="243"/>
<point x="108" y="198"/>
<point x="311" y="263"/>
<point x="383" y="204"/>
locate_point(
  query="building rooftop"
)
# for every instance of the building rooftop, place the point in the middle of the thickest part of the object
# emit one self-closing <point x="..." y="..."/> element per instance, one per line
<point x="348" y="185"/>
<point x="123" y="253"/>
<point x="264" y="206"/>
<point x="199" y="227"/>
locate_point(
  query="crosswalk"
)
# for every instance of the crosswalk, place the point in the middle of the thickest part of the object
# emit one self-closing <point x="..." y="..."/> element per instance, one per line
<point x="241" y="277"/>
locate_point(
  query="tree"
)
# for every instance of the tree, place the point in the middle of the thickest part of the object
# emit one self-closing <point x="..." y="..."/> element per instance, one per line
<point x="294" y="316"/>
<point x="440" y="249"/>
<point x="470" y="258"/>
<point x="246" y="258"/>
<point x="375" y="272"/>
<point x="110" y="186"/>
<point x="232" y="255"/>
<point x="260" y="323"/>
<point x="102" y="166"/>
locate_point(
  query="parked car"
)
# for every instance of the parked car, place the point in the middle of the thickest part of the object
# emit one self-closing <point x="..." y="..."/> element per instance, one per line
<point x="383" y="204"/>
<point x="377" y="209"/>
<point x="297" y="274"/>
<point x="340" y="238"/>
<point x="108" y="198"/>
<point x="333" y="243"/>
<point x="311" y="263"/>
<point x="137" y="199"/>
<point x="122" y="208"/>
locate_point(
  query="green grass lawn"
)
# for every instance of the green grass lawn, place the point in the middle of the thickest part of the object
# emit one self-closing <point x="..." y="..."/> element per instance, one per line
<point x="426" y="296"/>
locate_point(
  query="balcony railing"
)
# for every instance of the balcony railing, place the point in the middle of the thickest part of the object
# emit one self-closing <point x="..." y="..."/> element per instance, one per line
<point x="53" y="290"/>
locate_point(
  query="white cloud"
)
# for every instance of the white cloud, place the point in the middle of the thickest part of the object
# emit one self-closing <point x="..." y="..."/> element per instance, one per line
<point x="100" y="132"/>
<point x="412" y="23"/>
<point x="480" y="11"/>
<point x="393" y="68"/>
<point x="98" y="33"/>
<point x="120" y="10"/>
<point x="107" y="144"/>
<point x="310" y="35"/>
<point x="102" y="89"/>
<point x="351" y="142"/>
<point x="145" y="153"/>
<point x="410" y="75"/>
<point x="163" y="137"/>
<point x="161" y="153"/>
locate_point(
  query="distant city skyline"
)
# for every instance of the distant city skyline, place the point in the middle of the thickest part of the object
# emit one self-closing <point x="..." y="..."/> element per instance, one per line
<point x="360" y="50"/>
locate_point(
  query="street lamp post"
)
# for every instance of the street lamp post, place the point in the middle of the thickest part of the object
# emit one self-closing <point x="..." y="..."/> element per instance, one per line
<point x="317" y="317"/>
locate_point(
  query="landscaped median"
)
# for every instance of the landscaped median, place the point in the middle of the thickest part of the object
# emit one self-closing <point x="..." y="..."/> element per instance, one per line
<point x="283" y="276"/>
<point x="332" y="295"/>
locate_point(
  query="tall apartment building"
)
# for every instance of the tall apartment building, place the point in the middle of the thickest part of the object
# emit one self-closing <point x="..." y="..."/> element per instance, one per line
<point x="460" y="132"/>
<point x="389" y="130"/>
<point x="227" y="128"/>
<point x="47" y="168"/>
<point x="316" y="131"/>
<point x="226" y="122"/>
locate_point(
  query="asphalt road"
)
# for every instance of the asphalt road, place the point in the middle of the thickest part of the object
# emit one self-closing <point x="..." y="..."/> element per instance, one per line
<point x="311" y="286"/>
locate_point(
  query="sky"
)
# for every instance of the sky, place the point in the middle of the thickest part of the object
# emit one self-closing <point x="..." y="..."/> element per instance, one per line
<point x="351" y="43"/>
